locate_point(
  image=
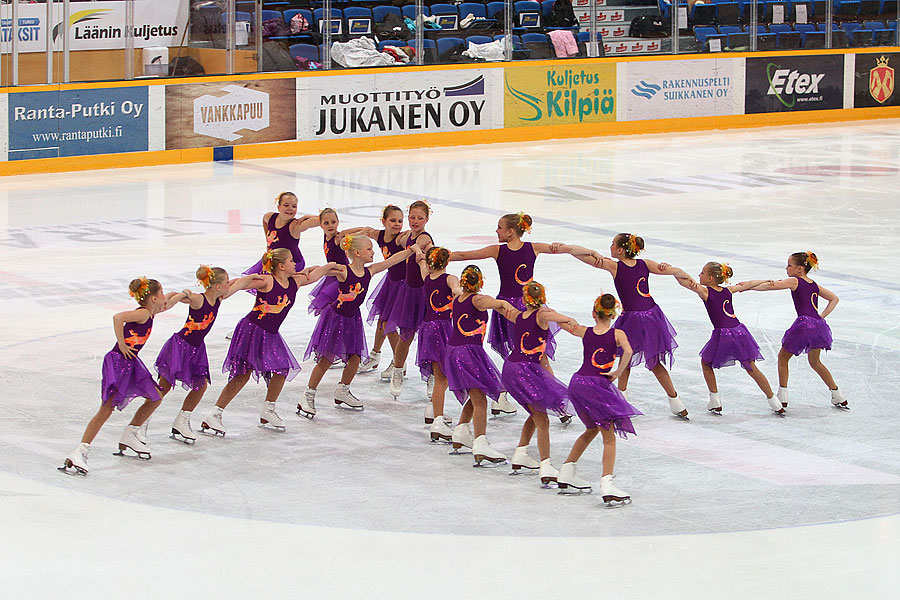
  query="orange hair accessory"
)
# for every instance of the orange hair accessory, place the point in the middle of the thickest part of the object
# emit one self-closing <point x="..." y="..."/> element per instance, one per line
<point x="529" y="300"/>
<point x="141" y="293"/>
<point x="463" y="279"/>
<point x="267" y="264"/>
<point x="347" y="243"/>
<point x="207" y="277"/>
<point x="631" y="245"/>
<point x="431" y="256"/>
<point x="609" y="313"/>
<point x="727" y="272"/>
<point x="812" y="261"/>
<point x="523" y="222"/>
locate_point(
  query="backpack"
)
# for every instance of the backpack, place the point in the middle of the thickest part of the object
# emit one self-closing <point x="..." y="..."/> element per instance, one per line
<point x="562" y="15"/>
<point x="185" y="65"/>
<point x="274" y="28"/>
<point x="299" y="24"/>
<point x="392" y="28"/>
<point x="647" y="26"/>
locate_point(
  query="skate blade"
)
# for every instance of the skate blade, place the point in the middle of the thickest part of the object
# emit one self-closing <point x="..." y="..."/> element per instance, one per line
<point x="345" y="406"/>
<point x="523" y="470"/>
<point x="549" y="484"/>
<point x="437" y="438"/>
<point x="180" y="438"/>
<point x="263" y="424"/>
<point x="842" y="406"/>
<point x="75" y="471"/>
<point x="303" y="413"/>
<point x="137" y="454"/>
<point x="780" y="413"/>
<point x="715" y="411"/>
<point x="486" y="462"/>
<point x="207" y="430"/>
<point x="460" y="450"/>
<point x="569" y="490"/>
<point x="683" y="415"/>
<point x="615" y="501"/>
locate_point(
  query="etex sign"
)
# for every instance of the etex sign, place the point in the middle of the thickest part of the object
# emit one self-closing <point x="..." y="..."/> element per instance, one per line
<point x="783" y="84"/>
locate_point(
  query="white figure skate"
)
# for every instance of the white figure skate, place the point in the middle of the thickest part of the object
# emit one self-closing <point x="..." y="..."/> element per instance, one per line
<point x="502" y="406"/>
<point x="77" y="460"/>
<point x="677" y="408"/>
<point x="783" y="396"/>
<point x="370" y="364"/>
<point x="462" y="438"/>
<point x="838" y="401"/>
<point x="213" y="422"/>
<point x="131" y="440"/>
<point x="714" y="405"/>
<point x="306" y="407"/>
<point x="548" y="473"/>
<point x="521" y="460"/>
<point x="569" y="482"/>
<point x="181" y="428"/>
<point x="397" y="376"/>
<point x="440" y="430"/>
<point x="482" y="452"/>
<point x="776" y="406"/>
<point x="268" y="416"/>
<point x="344" y="398"/>
<point x="612" y="495"/>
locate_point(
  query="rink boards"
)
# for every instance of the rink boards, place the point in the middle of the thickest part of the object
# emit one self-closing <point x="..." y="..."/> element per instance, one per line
<point x="166" y="121"/>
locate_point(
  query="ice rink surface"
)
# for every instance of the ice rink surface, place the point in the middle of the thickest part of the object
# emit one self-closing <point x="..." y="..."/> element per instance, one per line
<point x="360" y="505"/>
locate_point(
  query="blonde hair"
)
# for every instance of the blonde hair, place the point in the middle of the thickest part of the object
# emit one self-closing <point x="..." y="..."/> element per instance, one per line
<point x="209" y="276"/>
<point x="272" y="258"/>
<point x="721" y="272"/>
<point x="141" y="289"/>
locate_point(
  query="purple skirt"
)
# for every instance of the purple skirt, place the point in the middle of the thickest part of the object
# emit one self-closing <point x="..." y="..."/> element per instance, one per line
<point x="650" y="334"/>
<point x="500" y="331"/>
<point x="325" y="293"/>
<point x="533" y="386"/>
<point x="124" y="379"/>
<point x="382" y="298"/>
<point x="255" y="350"/>
<point x="180" y="361"/>
<point x="337" y="336"/>
<point x="599" y="403"/>
<point x="407" y="311"/>
<point x="468" y="367"/>
<point x="433" y="337"/>
<point x="728" y="346"/>
<point x="805" y="334"/>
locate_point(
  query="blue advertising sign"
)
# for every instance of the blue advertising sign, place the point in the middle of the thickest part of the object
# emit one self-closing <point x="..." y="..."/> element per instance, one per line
<point x="77" y="122"/>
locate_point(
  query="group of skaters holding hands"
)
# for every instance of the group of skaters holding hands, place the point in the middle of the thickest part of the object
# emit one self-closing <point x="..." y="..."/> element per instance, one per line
<point x="418" y="297"/>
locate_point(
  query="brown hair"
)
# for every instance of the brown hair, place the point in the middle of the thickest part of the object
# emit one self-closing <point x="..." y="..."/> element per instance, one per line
<point x="327" y="211"/>
<point x="534" y="295"/>
<point x="141" y="289"/>
<point x="719" y="271"/>
<point x="386" y="212"/>
<point x="437" y="258"/>
<point x="807" y="260"/>
<point x="520" y="222"/>
<point x="606" y="306"/>
<point x="280" y="196"/>
<point x="423" y="205"/>
<point x="630" y="243"/>
<point x="471" y="280"/>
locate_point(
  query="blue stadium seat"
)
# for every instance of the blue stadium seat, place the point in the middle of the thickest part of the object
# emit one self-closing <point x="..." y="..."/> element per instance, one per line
<point x="472" y="8"/>
<point x="307" y="51"/>
<point x="380" y="12"/>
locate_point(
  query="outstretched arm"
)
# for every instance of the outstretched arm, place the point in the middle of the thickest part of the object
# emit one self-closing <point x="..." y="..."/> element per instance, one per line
<point x="548" y="315"/>
<point x="503" y="307"/>
<point x="686" y="281"/>
<point x="301" y="224"/>
<point x="393" y="260"/>
<point x="191" y="299"/>
<point x="574" y="328"/>
<point x="312" y="274"/>
<point x="247" y="282"/>
<point x="585" y="255"/>
<point x="172" y="298"/>
<point x="789" y="283"/>
<point x="832" y="301"/>
<point x="745" y="286"/>
<point x="480" y="254"/>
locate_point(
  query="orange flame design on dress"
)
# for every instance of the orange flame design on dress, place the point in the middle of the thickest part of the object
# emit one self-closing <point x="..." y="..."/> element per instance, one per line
<point x="134" y="339"/>
<point x="814" y="298"/>
<point x="725" y="310"/>
<point x="539" y="349"/>
<point x="516" y="275"/>
<point x="638" y="287"/>
<point x="439" y="309"/>
<point x="265" y="308"/>
<point x="350" y="295"/>
<point x="385" y="252"/>
<point x="271" y="238"/>
<point x="605" y="366"/>
<point x="192" y="325"/>
<point x="480" y="330"/>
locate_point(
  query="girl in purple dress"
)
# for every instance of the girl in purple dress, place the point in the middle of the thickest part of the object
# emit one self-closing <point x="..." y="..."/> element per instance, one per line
<point x="385" y="293"/>
<point x="531" y="385"/>
<point x="257" y="348"/>
<point x="809" y="332"/>
<point x="434" y="332"/>
<point x="125" y="376"/>
<point x="651" y="335"/>
<point x="471" y="375"/>
<point x="599" y="404"/>
<point x="282" y="230"/>
<point x="327" y="290"/>
<point x="183" y="356"/>
<point x="408" y="308"/>
<point x="515" y="263"/>
<point x="730" y="342"/>
<point x="339" y="333"/>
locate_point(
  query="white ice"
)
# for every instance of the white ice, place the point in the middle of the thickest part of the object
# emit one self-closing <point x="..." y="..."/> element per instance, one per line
<point x="360" y="504"/>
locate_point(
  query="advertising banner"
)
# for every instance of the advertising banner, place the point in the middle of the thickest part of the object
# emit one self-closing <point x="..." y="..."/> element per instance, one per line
<point x="783" y="83"/>
<point x="200" y="115"/>
<point x="874" y="80"/>
<point x="398" y="103"/>
<point x="77" y="122"/>
<point x="642" y="46"/>
<point x="96" y="25"/>
<point x="678" y="89"/>
<point x="559" y="95"/>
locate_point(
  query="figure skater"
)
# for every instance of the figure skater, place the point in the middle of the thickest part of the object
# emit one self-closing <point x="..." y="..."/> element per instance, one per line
<point x="385" y="293"/>
<point x="471" y="375"/>
<point x="434" y="332"/>
<point x="125" y="376"/>
<point x="327" y="290"/>
<point x="283" y="230"/>
<point x="515" y="263"/>
<point x="408" y="309"/>
<point x="598" y="402"/>
<point x="183" y="357"/>
<point x="809" y="333"/>
<point x="339" y="333"/>
<point x="531" y="385"/>
<point x="257" y="348"/>
<point x="651" y="335"/>
<point x="730" y="341"/>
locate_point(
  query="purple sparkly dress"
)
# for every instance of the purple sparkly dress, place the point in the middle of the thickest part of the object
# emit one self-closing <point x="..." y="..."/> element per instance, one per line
<point x="809" y="331"/>
<point x="183" y="356"/>
<point x="127" y="378"/>
<point x="385" y="293"/>
<point x="326" y="290"/>
<point x="339" y="332"/>
<point x="279" y="237"/>
<point x="256" y="345"/>
<point x="597" y="401"/>
<point x="408" y="308"/>
<point x="516" y="268"/>
<point x="730" y="341"/>
<point x="524" y="378"/>
<point x="467" y="365"/>
<point x="651" y="335"/>
<point x="434" y="332"/>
